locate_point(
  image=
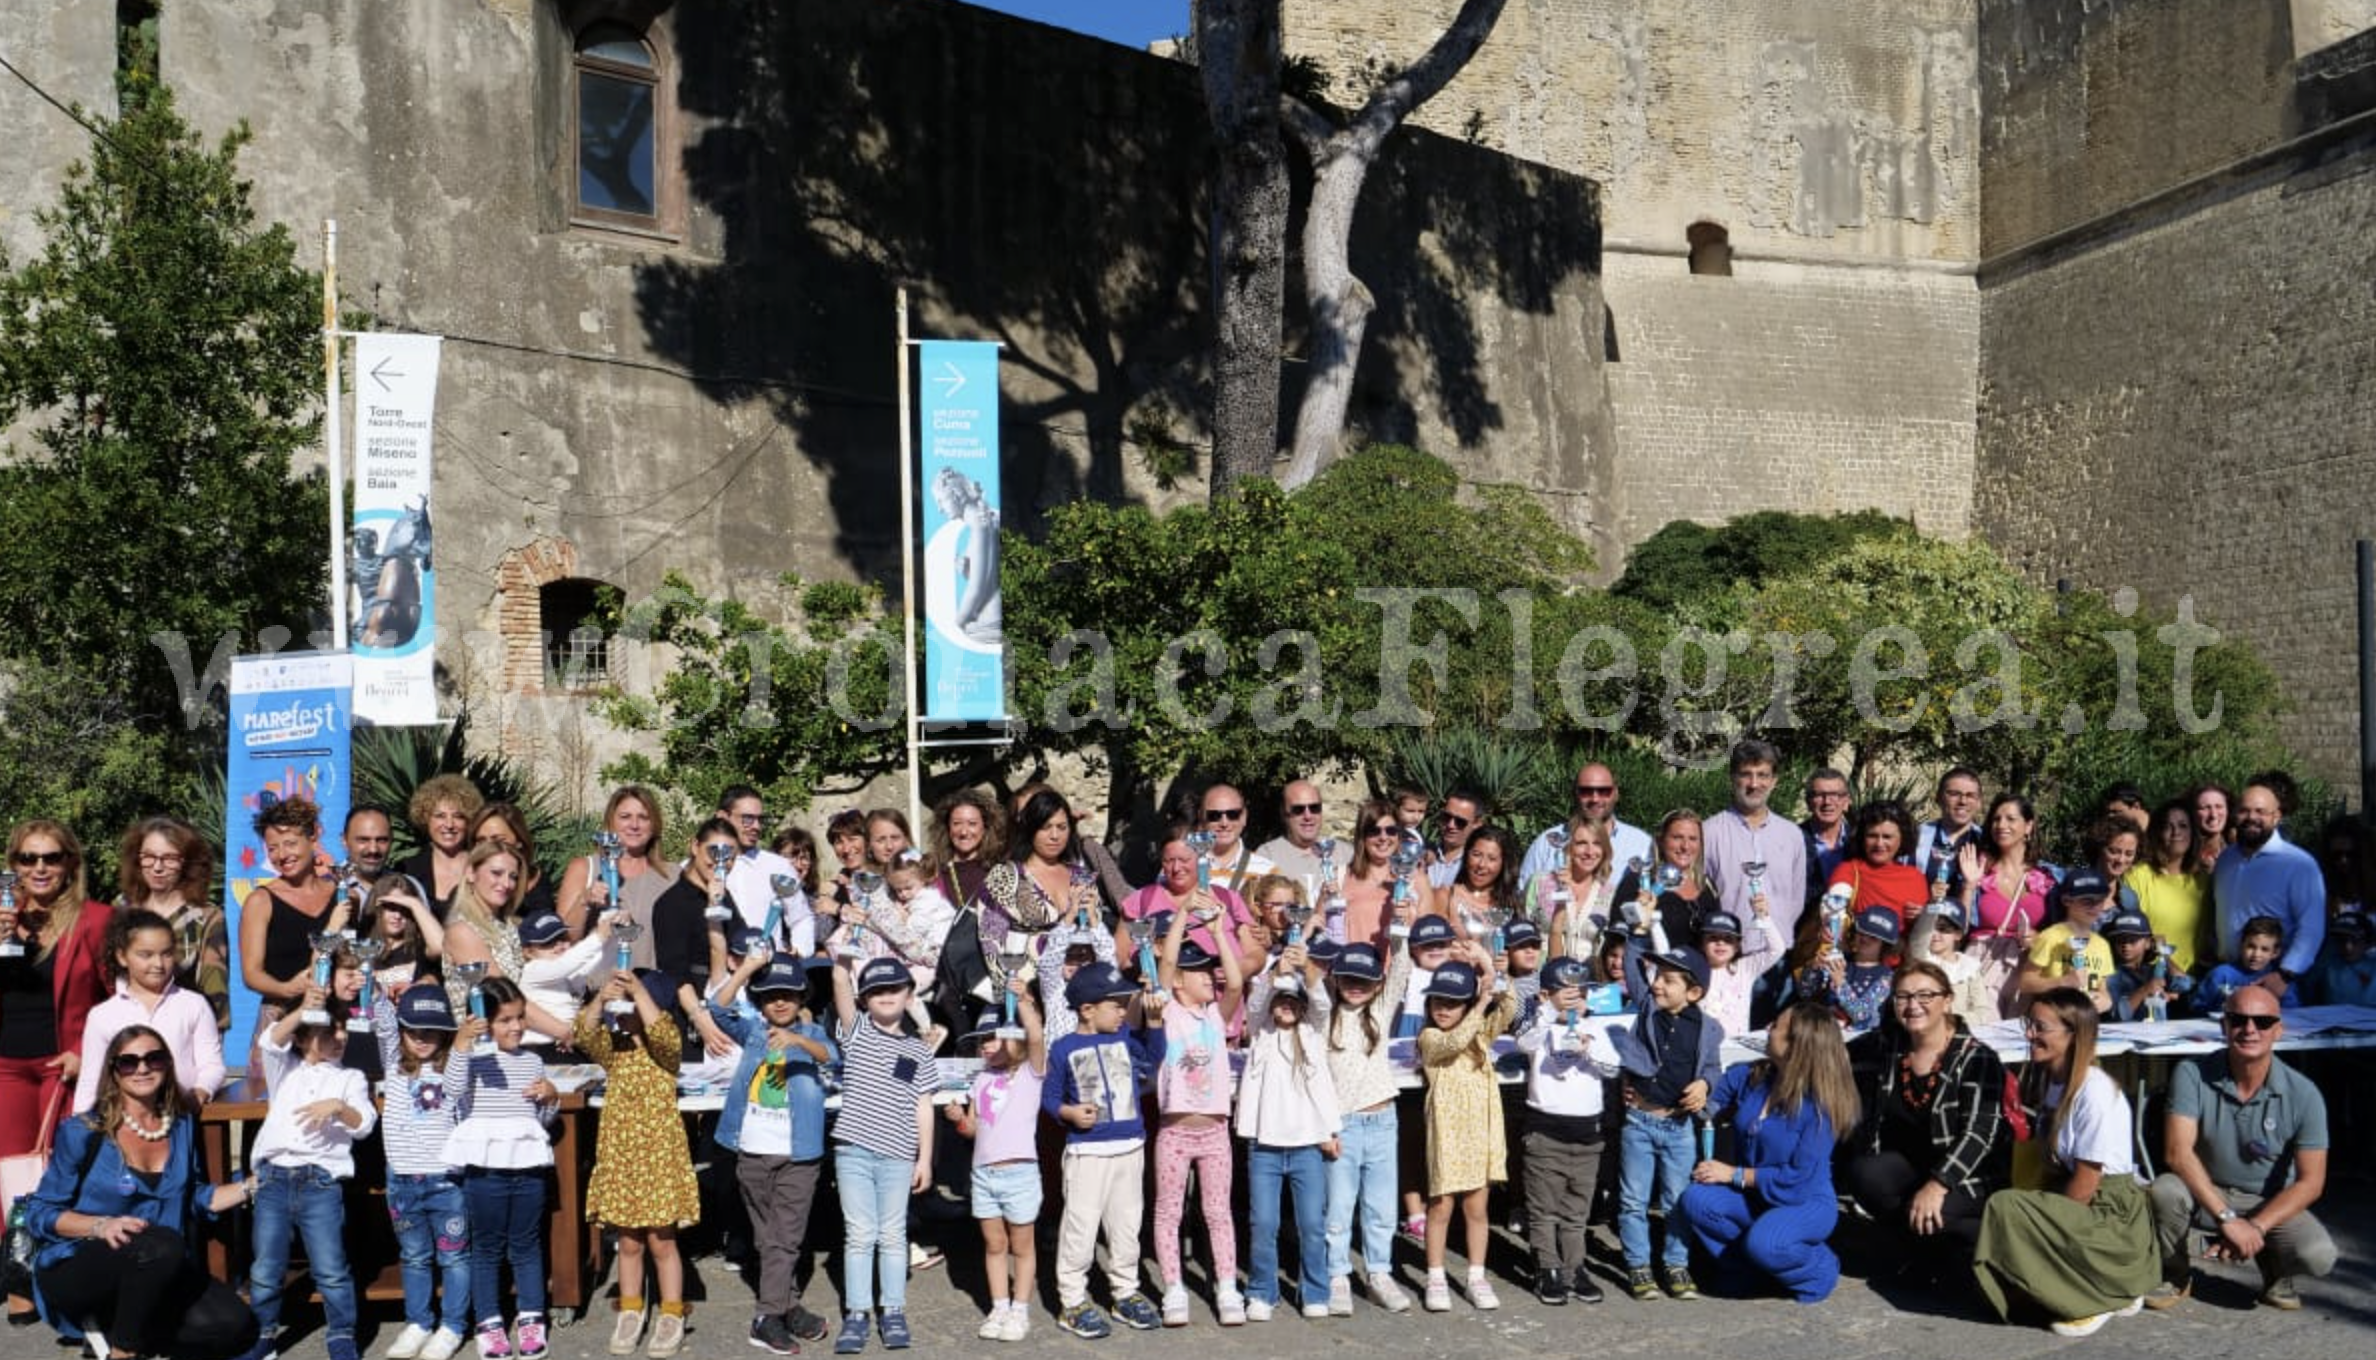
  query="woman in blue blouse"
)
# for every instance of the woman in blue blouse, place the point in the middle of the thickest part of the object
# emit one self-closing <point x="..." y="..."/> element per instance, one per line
<point x="111" y="1219"/>
<point x="1772" y="1214"/>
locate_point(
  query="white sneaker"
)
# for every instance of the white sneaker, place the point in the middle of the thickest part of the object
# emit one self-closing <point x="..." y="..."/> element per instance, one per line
<point x="1018" y="1323"/>
<point x="1340" y="1296"/>
<point x="1315" y="1312"/>
<point x="1257" y="1311"/>
<point x="409" y="1342"/>
<point x="1388" y="1294"/>
<point x="993" y="1327"/>
<point x="1481" y="1294"/>
<point x="442" y="1345"/>
<point x="1438" y="1296"/>
<point x="2086" y="1326"/>
<point x="1232" y="1306"/>
<point x="2135" y="1306"/>
<point x="1175" y="1305"/>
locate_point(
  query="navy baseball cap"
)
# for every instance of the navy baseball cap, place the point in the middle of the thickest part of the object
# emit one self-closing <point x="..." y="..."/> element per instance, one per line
<point x="424" y="1006"/>
<point x="744" y="941"/>
<point x="1689" y="962"/>
<point x="1565" y="972"/>
<point x="1879" y="923"/>
<point x="1454" y="981"/>
<point x="1097" y="982"/>
<point x="661" y="986"/>
<point x="2086" y="884"/>
<point x="2126" y="925"/>
<point x="1522" y="934"/>
<point x="543" y="928"/>
<point x="985" y="1022"/>
<point x="2353" y="923"/>
<point x="1360" y="963"/>
<point x="783" y="973"/>
<point x="881" y="975"/>
<point x="1948" y="916"/>
<point x="1429" y="930"/>
<point x="1326" y="952"/>
<point x="1288" y="984"/>
<point x="1720" y="923"/>
<point x="1195" y="958"/>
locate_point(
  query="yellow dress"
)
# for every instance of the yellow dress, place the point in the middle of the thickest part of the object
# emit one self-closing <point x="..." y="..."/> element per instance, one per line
<point x="643" y="1171"/>
<point x="1465" y="1144"/>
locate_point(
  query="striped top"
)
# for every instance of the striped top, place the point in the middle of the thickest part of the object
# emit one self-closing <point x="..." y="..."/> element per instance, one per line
<point x="415" y="1116"/>
<point x="495" y="1124"/>
<point x="883" y="1075"/>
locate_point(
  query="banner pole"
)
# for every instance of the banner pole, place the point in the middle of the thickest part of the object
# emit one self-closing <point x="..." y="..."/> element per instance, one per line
<point x="330" y="453"/>
<point x="907" y="570"/>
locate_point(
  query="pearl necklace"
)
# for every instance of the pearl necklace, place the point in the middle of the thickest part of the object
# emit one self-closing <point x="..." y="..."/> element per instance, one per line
<point x="163" y="1131"/>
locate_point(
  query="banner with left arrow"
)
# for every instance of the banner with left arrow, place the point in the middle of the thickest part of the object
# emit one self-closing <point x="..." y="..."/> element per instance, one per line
<point x="392" y="584"/>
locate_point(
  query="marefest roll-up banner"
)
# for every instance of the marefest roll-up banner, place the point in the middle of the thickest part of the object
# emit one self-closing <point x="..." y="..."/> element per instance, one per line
<point x="392" y="587"/>
<point x="965" y="639"/>
<point x="290" y="730"/>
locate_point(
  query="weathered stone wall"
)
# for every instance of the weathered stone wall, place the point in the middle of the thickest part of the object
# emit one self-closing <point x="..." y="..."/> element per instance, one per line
<point x="1836" y="143"/>
<point x="2174" y="395"/>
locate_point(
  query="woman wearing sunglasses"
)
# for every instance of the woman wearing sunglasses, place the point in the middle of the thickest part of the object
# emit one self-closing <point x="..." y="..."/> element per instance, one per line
<point x="111" y="1220"/>
<point x="2082" y="1247"/>
<point x="1934" y="1143"/>
<point x="49" y="981"/>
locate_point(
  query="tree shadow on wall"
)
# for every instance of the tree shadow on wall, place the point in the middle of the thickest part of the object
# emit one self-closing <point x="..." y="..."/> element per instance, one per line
<point x="1038" y="188"/>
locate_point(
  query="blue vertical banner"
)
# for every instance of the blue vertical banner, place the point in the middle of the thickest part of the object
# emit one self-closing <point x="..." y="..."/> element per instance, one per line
<point x="290" y="729"/>
<point x="965" y="629"/>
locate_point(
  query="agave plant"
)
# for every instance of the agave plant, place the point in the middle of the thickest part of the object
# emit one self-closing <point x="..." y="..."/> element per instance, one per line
<point x="390" y="762"/>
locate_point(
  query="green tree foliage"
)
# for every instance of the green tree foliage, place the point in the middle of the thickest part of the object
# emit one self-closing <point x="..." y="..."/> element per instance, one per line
<point x="1687" y="561"/>
<point x="70" y="751"/>
<point x="168" y="351"/>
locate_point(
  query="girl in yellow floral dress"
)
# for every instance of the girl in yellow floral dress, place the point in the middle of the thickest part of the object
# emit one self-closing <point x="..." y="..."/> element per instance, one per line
<point x="643" y="1182"/>
<point x="1466" y="1151"/>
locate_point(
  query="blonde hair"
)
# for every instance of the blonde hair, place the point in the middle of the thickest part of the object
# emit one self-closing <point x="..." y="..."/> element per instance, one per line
<point x="466" y="898"/>
<point x="2077" y="1014"/>
<point x="1815" y="1067"/>
<point x="444" y="788"/>
<point x="65" y="912"/>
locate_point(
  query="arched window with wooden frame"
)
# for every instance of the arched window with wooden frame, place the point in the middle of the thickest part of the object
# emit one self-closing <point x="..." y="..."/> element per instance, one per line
<point x="617" y="129"/>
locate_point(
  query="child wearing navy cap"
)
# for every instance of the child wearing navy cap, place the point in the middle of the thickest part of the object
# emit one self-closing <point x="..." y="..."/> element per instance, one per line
<point x="643" y="1185"/>
<point x="1854" y="979"/>
<point x="774" y="1124"/>
<point x="1096" y="1078"/>
<point x="1671" y="1061"/>
<point x="1467" y="1151"/>
<point x="1364" y="993"/>
<point x="2143" y="984"/>
<point x="1568" y="1065"/>
<point x="554" y="973"/>
<point x="1192" y="1088"/>
<point x="882" y="1145"/>
<point x="415" y="1032"/>
<point x="1938" y="937"/>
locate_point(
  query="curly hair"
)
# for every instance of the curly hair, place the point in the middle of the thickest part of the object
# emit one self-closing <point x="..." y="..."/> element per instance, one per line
<point x="443" y="789"/>
<point x="197" y="881"/>
<point x="290" y="814"/>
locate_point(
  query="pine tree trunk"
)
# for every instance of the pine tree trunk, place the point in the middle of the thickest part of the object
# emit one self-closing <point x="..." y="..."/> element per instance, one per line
<point x="1340" y="307"/>
<point x="1238" y="49"/>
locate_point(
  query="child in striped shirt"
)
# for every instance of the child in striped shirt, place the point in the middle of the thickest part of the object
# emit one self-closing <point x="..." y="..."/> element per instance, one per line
<point x="501" y="1101"/>
<point x="416" y="1034"/>
<point x="882" y="1145"/>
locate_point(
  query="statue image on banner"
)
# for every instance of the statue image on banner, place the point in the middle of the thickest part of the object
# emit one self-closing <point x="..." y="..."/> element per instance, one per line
<point x="388" y="579"/>
<point x="973" y="613"/>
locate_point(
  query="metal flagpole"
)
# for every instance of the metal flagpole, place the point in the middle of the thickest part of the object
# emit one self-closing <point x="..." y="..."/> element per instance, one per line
<point x="330" y="424"/>
<point x="907" y="569"/>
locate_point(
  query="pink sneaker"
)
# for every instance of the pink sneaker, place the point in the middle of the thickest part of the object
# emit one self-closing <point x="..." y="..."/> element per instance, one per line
<point x="529" y="1340"/>
<point x="493" y="1344"/>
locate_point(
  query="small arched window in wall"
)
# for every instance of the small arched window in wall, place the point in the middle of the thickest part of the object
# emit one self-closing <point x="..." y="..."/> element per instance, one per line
<point x="571" y="613"/>
<point x="1711" y="249"/>
<point x="615" y="128"/>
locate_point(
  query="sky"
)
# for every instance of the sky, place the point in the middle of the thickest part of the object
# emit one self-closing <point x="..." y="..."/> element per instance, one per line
<point x="1134" y="23"/>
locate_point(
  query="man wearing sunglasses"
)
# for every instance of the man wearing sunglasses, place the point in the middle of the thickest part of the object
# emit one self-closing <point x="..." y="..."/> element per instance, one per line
<point x="2246" y="1147"/>
<point x="1296" y="852"/>
<point x="1463" y="813"/>
<point x="1596" y="801"/>
<point x="1222" y="811"/>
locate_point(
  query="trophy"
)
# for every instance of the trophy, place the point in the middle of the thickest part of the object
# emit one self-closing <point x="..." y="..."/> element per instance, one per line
<point x="1332" y="901"/>
<point x="1299" y="915"/>
<point x="1942" y="873"/>
<point x="1202" y="843"/>
<point x="1707" y="1137"/>
<point x="367" y="950"/>
<point x="2081" y="964"/>
<point x="608" y="846"/>
<point x="1497" y="926"/>
<point x="721" y="860"/>
<point x="470" y="975"/>
<point x="1638" y="911"/>
<point x="2157" y="1006"/>
<point x="1083" y="876"/>
<point x="10" y="946"/>
<point x="1670" y="877"/>
<point x="346" y="886"/>
<point x="624" y="934"/>
<point x="1142" y="934"/>
<point x="326" y="944"/>
<point x="781" y="889"/>
<point x="864" y="884"/>
<point x="1014" y="955"/>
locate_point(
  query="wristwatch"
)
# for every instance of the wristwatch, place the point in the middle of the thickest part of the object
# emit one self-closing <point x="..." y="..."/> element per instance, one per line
<point x="2227" y="1216"/>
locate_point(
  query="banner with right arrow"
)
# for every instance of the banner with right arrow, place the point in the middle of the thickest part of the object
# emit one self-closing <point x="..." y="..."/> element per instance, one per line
<point x="391" y="585"/>
<point x="965" y="638"/>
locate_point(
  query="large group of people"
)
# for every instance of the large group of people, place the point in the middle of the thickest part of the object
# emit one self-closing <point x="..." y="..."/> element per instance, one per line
<point x="1398" y="1031"/>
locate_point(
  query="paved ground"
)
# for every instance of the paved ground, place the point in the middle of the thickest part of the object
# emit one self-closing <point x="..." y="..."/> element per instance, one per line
<point x="2339" y="1320"/>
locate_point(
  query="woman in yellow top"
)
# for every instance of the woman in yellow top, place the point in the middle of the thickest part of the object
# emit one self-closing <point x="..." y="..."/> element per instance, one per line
<point x="2174" y="896"/>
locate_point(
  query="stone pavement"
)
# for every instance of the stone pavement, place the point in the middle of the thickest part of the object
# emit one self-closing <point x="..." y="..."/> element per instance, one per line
<point x="2338" y="1319"/>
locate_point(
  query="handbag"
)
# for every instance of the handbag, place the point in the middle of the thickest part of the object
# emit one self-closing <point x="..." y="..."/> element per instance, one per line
<point x="21" y="1174"/>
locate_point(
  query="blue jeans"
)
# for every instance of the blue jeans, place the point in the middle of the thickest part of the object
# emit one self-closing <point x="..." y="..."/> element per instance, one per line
<point x="1362" y="1177"/>
<point x="507" y="1212"/>
<point x="874" y="1200"/>
<point x="306" y="1201"/>
<point x="1654" y="1158"/>
<point x="1303" y="1171"/>
<point x="433" y="1244"/>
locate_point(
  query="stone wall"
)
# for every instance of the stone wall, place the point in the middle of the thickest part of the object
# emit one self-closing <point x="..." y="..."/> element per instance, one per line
<point x="2173" y="391"/>
<point x="1834" y="141"/>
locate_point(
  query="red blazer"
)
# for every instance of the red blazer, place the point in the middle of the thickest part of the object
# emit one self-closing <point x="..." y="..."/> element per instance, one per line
<point x="77" y="979"/>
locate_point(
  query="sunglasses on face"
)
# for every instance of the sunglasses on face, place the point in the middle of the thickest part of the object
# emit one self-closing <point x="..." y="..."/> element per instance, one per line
<point x="1454" y="821"/>
<point x="1303" y="809"/>
<point x="1595" y="790"/>
<point x="2263" y="1023"/>
<point x="1389" y="829"/>
<point x="26" y="859"/>
<point x="1224" y="814"/>
<point x="154" y="1059"/>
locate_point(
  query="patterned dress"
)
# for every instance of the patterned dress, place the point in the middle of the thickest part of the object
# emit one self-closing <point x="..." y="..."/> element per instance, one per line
<point x="1466" y="1148"/>
<point x="643" y="1172"/>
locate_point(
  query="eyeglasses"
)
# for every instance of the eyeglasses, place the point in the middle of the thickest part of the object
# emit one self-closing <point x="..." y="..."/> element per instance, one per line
<point x="2034" y="1027"/>
<point x="26" y="859"/>
<point x="748" y="818"/>
<point x="1303" y="809"/>
<point x="1453" y="821"/>
<point x="1827" y="795"/>
<point x="1224" y="814"/>
<point x="1389" y="829"/>
<point x="1595" y="790"/>
<point x="1918" y="998"/>
<point x="154" y="1059"/>
<point x="2259" y="1022"/>
<point x="159" y="861"/>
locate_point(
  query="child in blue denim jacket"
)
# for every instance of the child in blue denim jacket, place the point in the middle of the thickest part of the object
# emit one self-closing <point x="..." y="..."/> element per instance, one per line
<point x="774" y="1123"/>
<point x="1671" y="1061"/>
